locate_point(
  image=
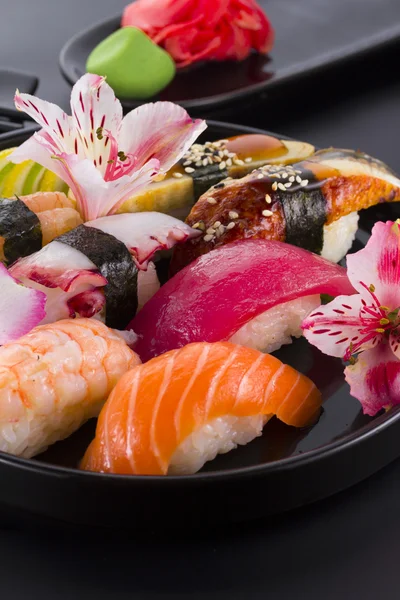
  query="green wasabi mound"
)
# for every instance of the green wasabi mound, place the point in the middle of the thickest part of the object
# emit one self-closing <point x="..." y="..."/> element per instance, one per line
<point x="135" y="67"/>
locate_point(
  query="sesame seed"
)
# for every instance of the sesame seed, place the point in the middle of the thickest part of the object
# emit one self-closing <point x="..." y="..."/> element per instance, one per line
<point x="210" y="160"/>
<point x="196" y="225"/>
<point x="222" y="165"/>
<point x="221" y="229"/>
<point x="238" y="162"/>
<point x="208" y="238"/>
<point x="248" y="159"/>
<point x="297" y="171"/>
<point x="223" y="141"/>
<point x="267" y="213"/>
<point x="187" y="163"/>
<point x="221" y="154"/>
<point x="291" y="179"/>
<point x="217" y="224"/>
<point x="298" y="179"/>
<point x="177" y="175"/>
<point x="288" y="185"/>
<point x="268" y="199"/>
<point x="231" y="154"/>
<point x="304" y="183"/>
<point x="275" y="186"/>
<point x="211" y="201"/>
<point x="281" y="187"/>
<point x="205" y="162"/>
<point x="231" y="225"/>
<point x="189" y="170"/>
<point x="229" y="162"/>
<point x="210" y="230"/>
<point x="260" y="176"/>
<point x="199" y="163"/>
<point x="284" y="175"/>
<point x="233" y="214"/>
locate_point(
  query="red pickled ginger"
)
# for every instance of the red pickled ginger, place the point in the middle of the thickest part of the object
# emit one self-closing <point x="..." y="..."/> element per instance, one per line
<point x="197" y="30"/>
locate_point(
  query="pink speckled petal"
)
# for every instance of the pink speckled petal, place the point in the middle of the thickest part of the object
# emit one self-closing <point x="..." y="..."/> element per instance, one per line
<point x="378" y="264"/>
<point x="333" y="327"/>
<point x="161" y="130"/>
<point x="375" y="379"/>
<point x="21" y="308"/>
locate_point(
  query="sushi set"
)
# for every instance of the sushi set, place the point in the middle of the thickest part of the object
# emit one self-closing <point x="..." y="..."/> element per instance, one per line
<point x="179" y="343"/>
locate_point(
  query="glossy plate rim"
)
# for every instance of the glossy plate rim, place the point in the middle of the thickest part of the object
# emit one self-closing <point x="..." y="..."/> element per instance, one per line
<point x="377" y="426"/>
<point x="293" y="73"/>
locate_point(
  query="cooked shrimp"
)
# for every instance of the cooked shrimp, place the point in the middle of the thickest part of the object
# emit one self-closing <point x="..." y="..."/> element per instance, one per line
<point x="54" y="379"/>
<point x="57" y="221"/>
<point x="42" y="201"/>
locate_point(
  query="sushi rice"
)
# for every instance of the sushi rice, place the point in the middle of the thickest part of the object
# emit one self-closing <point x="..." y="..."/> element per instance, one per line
<point x="339" y="237"/>
<point x="275" y="327"/>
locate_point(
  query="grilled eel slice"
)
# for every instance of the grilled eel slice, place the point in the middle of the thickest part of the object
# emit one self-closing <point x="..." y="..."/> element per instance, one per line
<point x="312" y="204"/>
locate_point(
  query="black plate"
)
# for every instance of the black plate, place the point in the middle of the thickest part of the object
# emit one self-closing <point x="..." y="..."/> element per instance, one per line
<point x="283" y="469"/>
<point x="310" y="36"/>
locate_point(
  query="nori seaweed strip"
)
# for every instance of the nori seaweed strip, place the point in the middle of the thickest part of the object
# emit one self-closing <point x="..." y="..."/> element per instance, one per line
<point x="20" y="228"/>
<point x="305" y="215"/>
<point x="113" y="260"/>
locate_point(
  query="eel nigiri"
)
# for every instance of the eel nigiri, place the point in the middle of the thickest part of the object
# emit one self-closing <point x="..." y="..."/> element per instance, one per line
<point x="54" y="379"/>
<point x="253" y="292"/>
<point x="181" y="409"/>
<point x="96" y="268"/>
<point x="29" y="222"/>
<point x="205" y="165"/>
<point x="312" y="204"/>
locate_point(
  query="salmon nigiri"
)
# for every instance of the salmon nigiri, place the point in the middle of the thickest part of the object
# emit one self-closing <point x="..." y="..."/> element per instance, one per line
<point x="54" y="379"/>
<point x="181" y="409"/>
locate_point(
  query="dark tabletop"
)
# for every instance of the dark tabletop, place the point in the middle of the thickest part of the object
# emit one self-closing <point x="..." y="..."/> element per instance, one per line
<point x="345" y="547"/>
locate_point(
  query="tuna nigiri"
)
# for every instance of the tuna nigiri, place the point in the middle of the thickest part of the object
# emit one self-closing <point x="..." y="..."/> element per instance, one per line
<point x="96" y="268"/>
<point x="181" y="409"/>
<point x="312" y="204"/>
<point x="54" y="379"/>
<point x="253" y="292"/>
<point x="29" y="222"/>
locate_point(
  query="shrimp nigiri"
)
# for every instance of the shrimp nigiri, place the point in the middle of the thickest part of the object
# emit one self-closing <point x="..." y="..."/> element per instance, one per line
<point x="181" y="409"/>
<point x="29" y="222"/>
<point x="54" y="379"/>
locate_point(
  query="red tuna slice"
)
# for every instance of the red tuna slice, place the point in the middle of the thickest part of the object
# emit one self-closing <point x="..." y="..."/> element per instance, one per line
<point x="213" y="297"/>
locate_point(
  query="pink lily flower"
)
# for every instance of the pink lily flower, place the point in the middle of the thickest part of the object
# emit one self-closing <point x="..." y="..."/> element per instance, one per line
<point x="21" y="308"/>
<point x="104" y="158"/>
<point x="364" y="328"/>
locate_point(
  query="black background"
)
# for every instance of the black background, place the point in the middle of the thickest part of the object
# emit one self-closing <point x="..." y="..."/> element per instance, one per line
<point x="345" y="547"/>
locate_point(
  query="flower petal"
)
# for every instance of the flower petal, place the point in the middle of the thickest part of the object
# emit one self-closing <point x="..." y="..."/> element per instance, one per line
<point x="333" y="327"/>
<point x="161" y="130"/>
<point x="96" y="197"/>
<point x="21" y="308"/>
<point x="375" y="379"/>
<point x="94" y="106"/>
<point x="39" y="149"/>
<point x="55" y="122"/>
<point x="378" y="264"/>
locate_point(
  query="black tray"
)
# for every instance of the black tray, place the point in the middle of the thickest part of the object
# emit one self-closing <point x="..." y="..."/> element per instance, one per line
<point x="310" y="36"/>
<point x="284" y="469"/>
